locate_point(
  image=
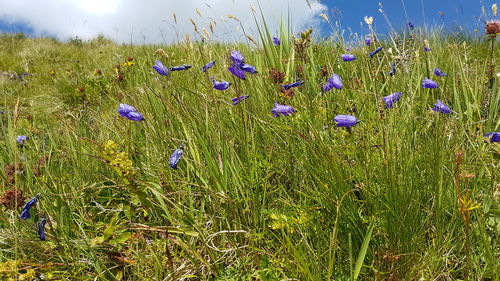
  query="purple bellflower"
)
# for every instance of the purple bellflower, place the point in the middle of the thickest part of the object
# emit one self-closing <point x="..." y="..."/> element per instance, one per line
<point x="41" y="229"/>
<point x="429" y="84"/>
<point x="239" y="99"/>
<point x="220" y="85"/>
<point x="161" y="69"/>
<point x="333" y="82"/>
<point x="25" y="213"/>
<point x="410" y="25"/>
<point x="493" y="136"/>
<point x="21" y="140"/>
<point x="248" y="68"/>
<point x="276" y="41"/>
<point x="237" y="57"/>
<point x="236" y="70"/>
<point x="287" y="87"/>
<point x="346" y="120"/>
<point x="180" y="67"/>
<point x="440" y="107"/>
<point x="129" y="112"/>
<point x="375" y="52"/>
<point x="439" y="72"/>
<point x="391" y="99"/>
<point x="174" y="158"/>
<point x="368" y="40"/>
<point x="207" y="66"/>
<point x="347" y="57"/>
<point x="427" y="49"/>
<point x="281" y="109"/>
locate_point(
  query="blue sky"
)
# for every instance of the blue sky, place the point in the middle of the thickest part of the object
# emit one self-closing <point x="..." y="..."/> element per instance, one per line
<point x="138" y="22"/>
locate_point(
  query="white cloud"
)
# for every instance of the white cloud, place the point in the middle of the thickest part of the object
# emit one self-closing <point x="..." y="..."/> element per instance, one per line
<point x="152" y="21"/>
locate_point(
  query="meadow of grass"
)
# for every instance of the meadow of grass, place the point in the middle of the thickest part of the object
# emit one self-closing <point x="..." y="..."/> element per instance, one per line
<point x="406" y="194"/>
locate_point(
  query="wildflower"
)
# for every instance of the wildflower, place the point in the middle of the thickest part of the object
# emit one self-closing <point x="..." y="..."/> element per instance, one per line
<point x="23" y="75"/>
<point x="52" y="72"/>
<point x="239" y="99"/>
<point x="237" y="57"/>
<point x="21" y="140"/>
<point x="236" y="70"/>
<point x="410" y="25"/>
<point x="368" y="40"/>
<point x="391" y="99"/>
<point x="492" y="27"/>
<point x="41" y="229"/>
<point x="375" y="52"/>
<point x="276" y="76"/>
<point x="345" y="120"/>
<point x="426" y="49"/>
<point x="129" y="112"/>
<point x="439" y="72"/>
<point x="207" y="66"/>
<point x="282" y="109"/>
<point x="248" y="68"/>
<point x="333" y="82"/>
<point x="174" y="158"/>
<point x="293" y="85"/>
<point x="347" y="57"/>
<point x="161" y="69"/>
<point x="429" y="84"/>
<point x="393" y="69"/>
<point x="221" y="86"/>
<point x="493" y="136"/>
<point x="180" y="68"/>
<point x="276" y="41"/>
<point x="25" y="213"/>
<point x="440" y="107"/>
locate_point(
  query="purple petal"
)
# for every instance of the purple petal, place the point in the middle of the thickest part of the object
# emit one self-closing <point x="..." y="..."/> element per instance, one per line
<point x="207" y="66"/>
<point x="345" y="120"/>
<point x="391" y="99"/>
<point x="237" y="71"/>
<point x="347" y="57"/>
<point x="174" y="158"/>
<point x="439" y="72"/>
<point x="239" y="99"/>
<point x="237" y="57"/>
<point x="161" y="69"/>
<point x="282" y="109"/>
<point x="293" y="85"/>
<point x="429" y="84"/>
<point x="440" y="107"/>
<point x="493" y="136"/>
<point x="248" y="68"/>
<point x="376" y="51"/>
<point x="220" y="85"/>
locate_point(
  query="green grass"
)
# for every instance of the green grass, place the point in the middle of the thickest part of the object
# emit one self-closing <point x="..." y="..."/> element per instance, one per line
<point x="254" y="197"/>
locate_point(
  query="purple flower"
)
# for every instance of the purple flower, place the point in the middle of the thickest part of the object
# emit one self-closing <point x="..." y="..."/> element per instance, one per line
<point x="345" y="120"/>
<point x="236" y="70"/>
<point x="25" y="213"/>
<point x="41" y="229"/>
<point x="174" y="158"/>
<point x="248" y="68"/>
<point x="439" y="72"/>
<point x="276" y="41"/>
<point x="282" y="109"/>
<point x="161" y="69"/>
<point x="221" y="86"/>
<point x="347" y="57"/>
<point x="239" y="99"/>
<point x="391" y="99"/>
<point x="21" y="140"/>
<point x="440" y="107"/>
<point x="207" y="66"/>
<point x="23" y="75"/>
<point x="410" y="25"/>
<point x="429" y="84"/>
<point x="333" y="82"/>
<point x="493" y="136"/>
<point x="287" y="87"/>
<point x="181" y="67"/>
<point x="129" y="112"/>
<point x="426" y="49"/>
<point x="393" y="69"/>
<point x="375" y="52"/>
<point x="237" y="57"/>
<point x="368" y="40"/>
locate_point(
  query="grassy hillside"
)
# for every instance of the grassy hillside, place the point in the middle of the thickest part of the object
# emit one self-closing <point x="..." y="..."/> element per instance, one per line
<point x="408" y="193"/>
